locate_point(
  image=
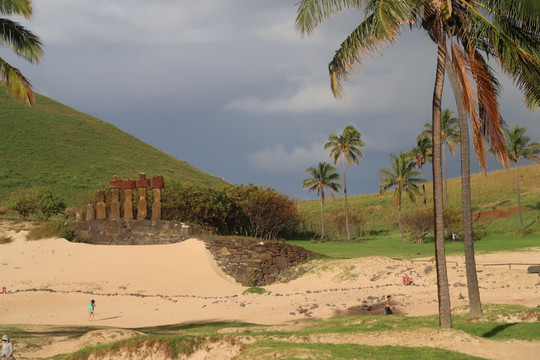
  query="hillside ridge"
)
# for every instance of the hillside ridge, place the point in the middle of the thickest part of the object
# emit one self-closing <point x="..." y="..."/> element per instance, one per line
<point x="51" y="144"/>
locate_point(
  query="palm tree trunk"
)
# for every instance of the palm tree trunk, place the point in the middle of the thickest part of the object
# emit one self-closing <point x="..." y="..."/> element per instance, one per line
<point x="475" y="305"/>
<point x="346" y="205"/>
<point x="443" y="291"/>
<point x="445" y="178"/>
<point x="399" y="219"/>
<point x="322" y="218"/>
<point x="519" y="199"/>
<point x="423" y="187"/>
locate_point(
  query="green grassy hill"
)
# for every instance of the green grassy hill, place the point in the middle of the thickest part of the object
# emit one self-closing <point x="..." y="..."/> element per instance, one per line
<point x="494" y="204"/>
<point x="50" y="144"/>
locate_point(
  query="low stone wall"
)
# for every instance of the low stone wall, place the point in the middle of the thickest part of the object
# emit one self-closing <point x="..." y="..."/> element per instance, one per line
<point x="250" y="262"/>
<point x="253" y="262"/>
<point x="135" y="232"/>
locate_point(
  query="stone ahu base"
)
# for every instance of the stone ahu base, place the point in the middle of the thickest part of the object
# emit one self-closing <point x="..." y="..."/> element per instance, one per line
<point x="249" y="262"/>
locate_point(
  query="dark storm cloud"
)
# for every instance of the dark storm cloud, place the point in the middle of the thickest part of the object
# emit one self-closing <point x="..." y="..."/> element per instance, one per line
<point x="230" y="87"/>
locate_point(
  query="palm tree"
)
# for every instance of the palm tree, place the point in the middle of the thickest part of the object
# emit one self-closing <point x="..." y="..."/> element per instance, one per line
<point x="322" y="178"/>
<point x="403" y="178"/>
<point x="346" y="146"/>
<point x="381" y="26"/>
<point x="504" y="30"/>
<point x="449" y="139"/>
<point x="518" y="148"/>
<point x="23" y="42"/>
<point x="422" y="154"/>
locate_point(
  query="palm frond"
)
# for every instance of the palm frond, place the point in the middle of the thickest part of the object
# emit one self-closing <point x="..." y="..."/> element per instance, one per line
<point x="378" y="30"/>
<point x="22" y="41"/>
<point x="16" y="7"/>
<point x="311" y="13"/>
<point x="16" y="84"/>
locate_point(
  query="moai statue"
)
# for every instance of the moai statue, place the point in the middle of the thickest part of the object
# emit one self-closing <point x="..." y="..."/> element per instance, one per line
<point x="157" y="185"/>
<point x="79" y="216"/>
<point x="128" y="186"/>
<point x="115" y="185"/>
<point x="101" y="211"/>
<point x="90" y="215"/>
<point x="142" y="205"/>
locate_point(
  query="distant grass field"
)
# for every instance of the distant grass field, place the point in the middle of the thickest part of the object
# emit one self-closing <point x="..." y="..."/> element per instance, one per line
<point x="50" y="144"/>
<point x="494" y="206"/>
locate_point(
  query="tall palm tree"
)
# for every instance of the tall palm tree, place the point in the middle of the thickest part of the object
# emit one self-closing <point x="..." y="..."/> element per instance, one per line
<point x="322" y="178"/>
<point x="23" y="42"/>
<point x="505" y="30"/>
<point x="518" y="148"/>
<point x="449" y="139"/>
<point x="381" y="26"/>
<point x="346" y="146"/>
<point x="402" y="178"/>
<point x="422" y="154"/>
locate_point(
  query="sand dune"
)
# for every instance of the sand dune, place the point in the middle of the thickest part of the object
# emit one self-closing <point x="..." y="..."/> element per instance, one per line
<point x="51" y="281"/>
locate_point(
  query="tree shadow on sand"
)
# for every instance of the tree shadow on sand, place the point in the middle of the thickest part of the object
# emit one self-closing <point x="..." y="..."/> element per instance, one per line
<point x="366" y="310"/>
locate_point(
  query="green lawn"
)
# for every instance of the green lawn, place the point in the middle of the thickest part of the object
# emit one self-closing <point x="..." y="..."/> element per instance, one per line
<point x="393" y="246"/>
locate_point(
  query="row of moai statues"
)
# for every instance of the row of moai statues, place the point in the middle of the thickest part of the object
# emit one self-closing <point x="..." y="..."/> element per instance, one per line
<point x="141" y="184"/>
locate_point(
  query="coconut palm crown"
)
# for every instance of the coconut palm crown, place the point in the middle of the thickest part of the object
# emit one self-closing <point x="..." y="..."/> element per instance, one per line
<point x="402" y="178"/>
<point x="323" y="178"/>
<point x="21" y="41"/>
<point x="346" y="146"/>
<point x="519" y="148"/>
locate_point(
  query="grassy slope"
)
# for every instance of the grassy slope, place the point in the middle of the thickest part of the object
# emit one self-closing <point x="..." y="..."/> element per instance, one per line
<point x="50" y="144"/>
<point x="494" y="191"/>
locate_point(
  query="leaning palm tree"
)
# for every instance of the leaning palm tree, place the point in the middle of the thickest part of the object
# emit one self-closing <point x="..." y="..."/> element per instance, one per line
<point x="449" y="139"/>
<point x="518" y="148"/>
<point x="322" y="178"/>
<point x="422" y="154"/>
<point x="505" y="30"/>
<point x="23" y="42"/>
<point x="402" y="178"/>
<point x="346" y="146"/>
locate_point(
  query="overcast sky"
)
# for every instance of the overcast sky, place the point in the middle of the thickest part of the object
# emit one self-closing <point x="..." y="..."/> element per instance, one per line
<point x="231" y="88"/>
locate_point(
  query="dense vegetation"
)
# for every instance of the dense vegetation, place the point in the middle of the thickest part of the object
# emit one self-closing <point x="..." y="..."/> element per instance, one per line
<point x="494" y="207"/>
<point x="52" y="145"/>
<point x="254" y="211"/>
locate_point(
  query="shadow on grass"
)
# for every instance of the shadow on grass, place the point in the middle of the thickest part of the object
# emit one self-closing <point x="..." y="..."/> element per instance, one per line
<point x="207" y="325"/>
<point x="497" y="329"/>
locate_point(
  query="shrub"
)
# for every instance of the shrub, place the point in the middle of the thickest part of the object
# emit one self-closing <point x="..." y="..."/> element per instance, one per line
<point x="23" y="201"/>
<point x="52" y="229"/>
<point x="231" y="210"/>
<point x="49" y="204"/>
<point x="335" y="222"/>
<point x="40" y="201"/>
<point x="269" y="213"/>
<point x="5" y="239"/>
<point x="418" y="225"/>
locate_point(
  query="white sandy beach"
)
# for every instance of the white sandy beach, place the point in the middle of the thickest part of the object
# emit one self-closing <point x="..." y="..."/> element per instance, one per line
<point x="51" y="281"/>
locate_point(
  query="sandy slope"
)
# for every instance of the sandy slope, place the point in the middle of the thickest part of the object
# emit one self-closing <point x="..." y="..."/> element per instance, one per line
<point x="51" y="282"/>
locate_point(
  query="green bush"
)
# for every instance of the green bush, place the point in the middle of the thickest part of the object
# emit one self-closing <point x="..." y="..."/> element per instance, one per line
<point x="52" y="229"/>
<point x="231" y="210"/>
<point x="41" y="201"/>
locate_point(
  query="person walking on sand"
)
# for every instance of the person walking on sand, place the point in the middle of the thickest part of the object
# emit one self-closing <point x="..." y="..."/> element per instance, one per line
<point x="7" y="348"/>
<point x="387" y="310"/>
<point x="91" y="307"/>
